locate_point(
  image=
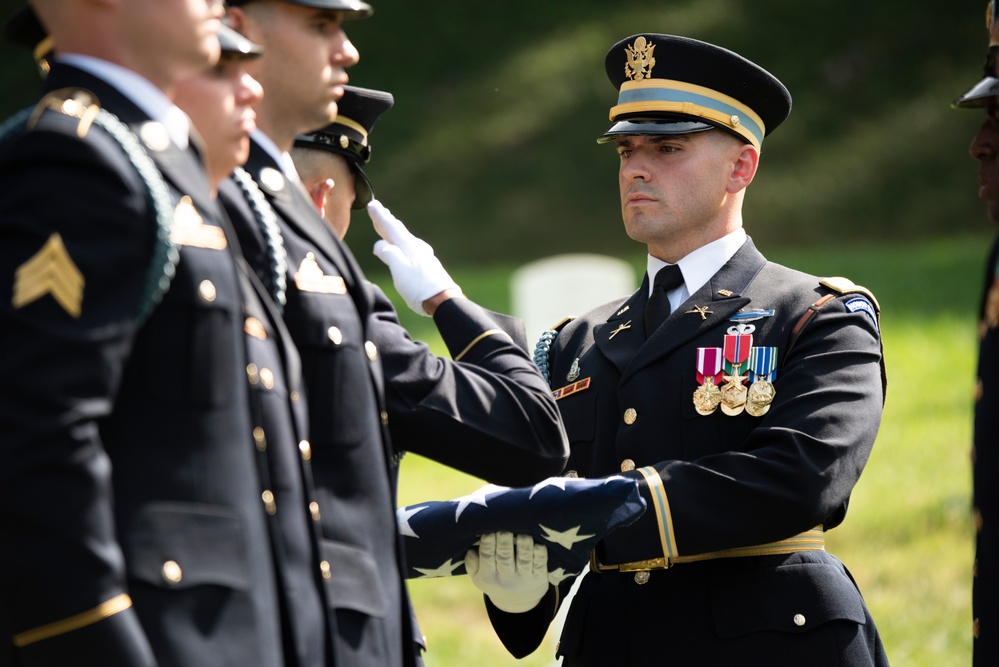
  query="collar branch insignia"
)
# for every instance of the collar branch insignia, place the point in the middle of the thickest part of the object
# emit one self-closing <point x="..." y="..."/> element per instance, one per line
<point x="700" y="310"/>
<point x="626" y="325"/>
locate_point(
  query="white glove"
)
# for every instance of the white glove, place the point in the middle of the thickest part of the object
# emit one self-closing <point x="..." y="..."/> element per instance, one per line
<point x="514" y="578"/>
<point x="417" y="274"/>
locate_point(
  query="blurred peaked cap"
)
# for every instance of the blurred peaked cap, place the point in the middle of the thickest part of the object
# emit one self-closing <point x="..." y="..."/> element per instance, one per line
<point x="356" y="114"/>
<point x="234" y="43"/>
<point x="353" y="9"/>
<point x="676" y="85"/>
<point x="979" y="94"/>
<point x="24" y="28"/>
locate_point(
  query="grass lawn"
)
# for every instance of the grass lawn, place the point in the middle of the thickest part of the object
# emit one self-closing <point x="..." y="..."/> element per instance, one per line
<point x="908" y="536"/>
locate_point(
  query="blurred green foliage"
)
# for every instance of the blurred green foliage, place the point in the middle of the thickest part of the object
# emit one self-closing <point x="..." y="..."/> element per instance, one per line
<point x="490" y="155"/>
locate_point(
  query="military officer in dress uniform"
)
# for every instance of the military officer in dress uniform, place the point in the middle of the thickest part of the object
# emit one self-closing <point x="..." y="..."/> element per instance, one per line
<point x="331" y="160"/>
<point x="489" y="414"/>
<point x="155" y="480"/>
<point x="743" y="396"/>
<point x="985" y="456"/>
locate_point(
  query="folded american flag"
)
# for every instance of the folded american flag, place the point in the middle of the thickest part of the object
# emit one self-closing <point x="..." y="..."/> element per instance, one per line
<point x="568" y="515"/>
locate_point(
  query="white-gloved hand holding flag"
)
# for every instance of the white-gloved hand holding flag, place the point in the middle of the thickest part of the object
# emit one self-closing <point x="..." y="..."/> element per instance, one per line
<point x="562" y="517"/>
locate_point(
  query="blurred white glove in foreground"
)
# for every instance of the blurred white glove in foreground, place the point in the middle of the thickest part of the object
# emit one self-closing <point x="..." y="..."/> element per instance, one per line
<point x="416" y="272"/>
<point x="512" y="572"/>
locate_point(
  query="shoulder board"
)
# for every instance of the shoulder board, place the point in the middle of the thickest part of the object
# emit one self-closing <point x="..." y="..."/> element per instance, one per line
<point x="75" y="102"/>
<point x="544" y="346"/>
<point x="847" y="286"/>
<point x="558" y="326"/>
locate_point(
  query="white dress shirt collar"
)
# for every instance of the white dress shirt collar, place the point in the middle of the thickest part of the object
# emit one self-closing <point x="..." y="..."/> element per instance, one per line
<point x="283" y="159"/>
<point x="698" y="266"/>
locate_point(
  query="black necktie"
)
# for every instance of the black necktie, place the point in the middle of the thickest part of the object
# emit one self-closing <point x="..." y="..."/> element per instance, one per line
<point x="658" y="309"/>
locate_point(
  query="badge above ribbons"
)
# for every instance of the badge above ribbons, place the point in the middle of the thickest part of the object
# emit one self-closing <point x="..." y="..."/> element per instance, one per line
<point x="567" y="515"/>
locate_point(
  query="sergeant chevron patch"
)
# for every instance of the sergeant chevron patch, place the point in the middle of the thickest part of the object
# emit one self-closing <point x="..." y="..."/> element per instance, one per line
<point x="50" y="271"/>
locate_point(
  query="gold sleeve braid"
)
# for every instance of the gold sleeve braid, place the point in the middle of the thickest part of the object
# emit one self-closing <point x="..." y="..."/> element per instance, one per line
<point x="104" y="610"/>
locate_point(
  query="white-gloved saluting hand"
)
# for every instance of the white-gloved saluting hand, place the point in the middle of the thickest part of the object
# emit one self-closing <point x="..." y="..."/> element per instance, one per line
<point x="418" y="275"/>
<point x="511" y="571"/>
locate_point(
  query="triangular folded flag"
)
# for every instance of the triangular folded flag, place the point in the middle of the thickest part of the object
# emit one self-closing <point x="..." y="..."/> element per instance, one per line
<point x="568" y="515"/>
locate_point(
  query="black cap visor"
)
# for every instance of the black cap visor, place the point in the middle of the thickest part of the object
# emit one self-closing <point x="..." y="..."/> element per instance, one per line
<point x="978" y="95"/>
<point x="364" y="193"/>
<point x="640" y="126"/>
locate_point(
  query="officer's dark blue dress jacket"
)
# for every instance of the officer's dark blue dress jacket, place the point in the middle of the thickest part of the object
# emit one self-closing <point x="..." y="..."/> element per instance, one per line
<point x="144" y="522"/>
<point x="363" y="373"/>
<point x="725" y="482"/>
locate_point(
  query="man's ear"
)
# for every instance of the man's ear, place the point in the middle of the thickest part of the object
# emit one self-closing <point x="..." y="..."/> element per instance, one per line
<point x="235" y="18"/>
<point x="318" y="192"/>
<point x="744" y="168"/>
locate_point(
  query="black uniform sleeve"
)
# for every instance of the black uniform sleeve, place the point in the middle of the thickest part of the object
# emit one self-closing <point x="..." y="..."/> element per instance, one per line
<point x="62" y="583"/>
<point x="488" y="412"/>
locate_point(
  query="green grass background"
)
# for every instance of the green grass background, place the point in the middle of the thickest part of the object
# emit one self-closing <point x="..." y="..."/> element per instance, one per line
<point x="908" y="536"/>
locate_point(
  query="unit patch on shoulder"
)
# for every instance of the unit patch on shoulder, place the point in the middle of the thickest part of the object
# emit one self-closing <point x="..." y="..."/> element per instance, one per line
<point x="861" y="304"/>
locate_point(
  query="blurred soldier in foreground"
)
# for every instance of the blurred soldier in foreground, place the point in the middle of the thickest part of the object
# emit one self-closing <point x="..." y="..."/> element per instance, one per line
<point x="156" y="505"/>
<point x="498" y="423"/>
<point x="985" y="453"/>
<point x="744" y="397"/>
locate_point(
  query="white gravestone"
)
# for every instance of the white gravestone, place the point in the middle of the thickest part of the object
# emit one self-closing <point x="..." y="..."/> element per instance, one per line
<point x="546" y="290"/>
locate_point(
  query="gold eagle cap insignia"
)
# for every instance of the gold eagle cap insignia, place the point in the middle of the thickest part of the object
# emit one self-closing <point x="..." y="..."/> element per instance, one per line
<point x="640" y="60"/>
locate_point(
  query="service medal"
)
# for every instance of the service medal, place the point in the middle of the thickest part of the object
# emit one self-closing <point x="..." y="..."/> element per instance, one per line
<point x="761" y="395"/>
<point x="762" y="369"/>
<point x="736" y="353"/>
<point x="707" y="396"/>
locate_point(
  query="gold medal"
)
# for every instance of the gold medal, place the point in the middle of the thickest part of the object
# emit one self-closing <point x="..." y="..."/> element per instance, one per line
<point x="761" y="395"/>
<point x="707" y="397"/>
<point x="733" y="394"/>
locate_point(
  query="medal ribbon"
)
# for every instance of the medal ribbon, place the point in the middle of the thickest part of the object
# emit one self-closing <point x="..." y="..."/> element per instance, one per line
<point x="709" y="364"/>
<point x="762" y="364"/>
<point x="736" y="350"/>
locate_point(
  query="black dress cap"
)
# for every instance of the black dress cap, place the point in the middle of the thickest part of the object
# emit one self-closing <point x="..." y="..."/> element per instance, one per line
<point x="234" y="43"/>
<point x="676" y="85"/>
<point x="353" y="9"/>
<point x="357" y="112"/>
